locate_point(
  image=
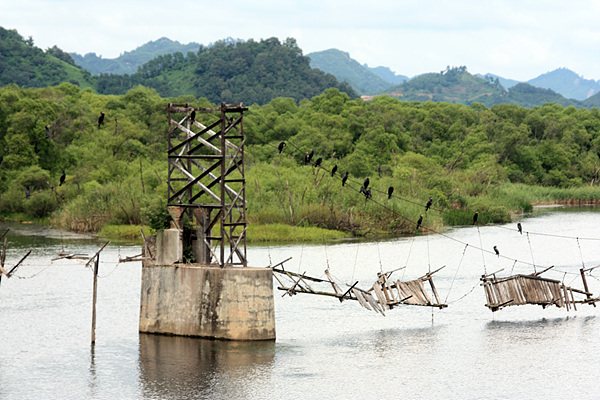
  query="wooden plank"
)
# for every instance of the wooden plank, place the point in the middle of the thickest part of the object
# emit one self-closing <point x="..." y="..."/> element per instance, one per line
<point x="373" y="303"/>
<point x="361" y="299"/>
<point x="380" y="295"/>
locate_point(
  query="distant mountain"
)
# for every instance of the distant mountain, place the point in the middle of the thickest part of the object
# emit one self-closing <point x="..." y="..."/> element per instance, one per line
<point x="454" y="85"/>
<point x="388" y="75"/>
<point x="567" y="83"/>
<point x="345" y="68"/>
<point x="25" y="65"/>
<point x="526" y="95"/>
<point x="130" y="61"/>
<point x="506" y="83"/>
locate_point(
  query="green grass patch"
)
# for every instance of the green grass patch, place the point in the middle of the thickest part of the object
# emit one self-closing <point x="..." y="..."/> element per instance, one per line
<point x="124" y="232"/>
<point x="274" y="233"/>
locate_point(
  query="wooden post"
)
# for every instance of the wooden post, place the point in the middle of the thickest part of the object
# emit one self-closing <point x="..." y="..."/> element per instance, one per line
<point x="96" y="259"/>
<point x="585" y="285"/>
<point x="94" y="298"/>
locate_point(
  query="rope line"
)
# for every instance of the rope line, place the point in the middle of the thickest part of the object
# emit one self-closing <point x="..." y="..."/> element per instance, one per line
<point x="456" y="273"/>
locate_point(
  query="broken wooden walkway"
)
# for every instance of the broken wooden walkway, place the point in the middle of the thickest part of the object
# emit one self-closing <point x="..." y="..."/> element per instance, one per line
<point x="533" y="289"/>
<point x="381" y="296"/>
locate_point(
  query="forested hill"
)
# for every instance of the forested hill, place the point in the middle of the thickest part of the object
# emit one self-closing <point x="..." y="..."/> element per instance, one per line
<point x="466" y="158"/>
<point x="457" y="85"/>
<point x="249" y="72"/>
<point x="23" y="64"/>
<point x="130" y="61"/>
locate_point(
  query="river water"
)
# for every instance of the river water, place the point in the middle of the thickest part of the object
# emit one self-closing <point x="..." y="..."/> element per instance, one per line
<point x="324" y="348"/>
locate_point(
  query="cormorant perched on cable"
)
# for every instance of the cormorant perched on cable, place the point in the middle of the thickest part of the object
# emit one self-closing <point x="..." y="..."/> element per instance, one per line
<point x="193" y="116"/>
<point x="281" y="147"/>
<point x="366" y="184"/>
<point x="429" y="203"/>
<point x="333" y="170"/>
<point x="27" y="192"/>
<point x="390" y="191"/>
<point x="309" y="156"/>
<point x="318" y="162"/>
<point x="366" y="192"/>
<point x="496" y="251"/>
<point x="101" y="119"/>
<point x="475" y="217"/>
<point x="62" y="178"/>
<point x="519" y="228"/>
<point x="344" y="178"/>
<point x="48" y="132"/>
<point x="419" y="222"/>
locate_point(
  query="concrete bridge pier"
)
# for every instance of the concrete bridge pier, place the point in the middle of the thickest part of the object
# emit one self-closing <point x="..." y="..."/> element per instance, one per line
<point x="204" y="300"/>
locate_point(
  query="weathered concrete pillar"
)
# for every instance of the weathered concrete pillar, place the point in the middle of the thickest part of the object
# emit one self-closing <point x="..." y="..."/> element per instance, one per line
<point x="169" y="247"/>
<point x="210" y="302"/>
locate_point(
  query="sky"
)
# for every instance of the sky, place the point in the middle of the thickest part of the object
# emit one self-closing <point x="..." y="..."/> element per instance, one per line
<point x="513" y="39"/>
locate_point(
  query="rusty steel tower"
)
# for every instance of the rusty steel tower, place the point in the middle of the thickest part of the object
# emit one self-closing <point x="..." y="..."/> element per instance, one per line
<point x="206" y="181"/>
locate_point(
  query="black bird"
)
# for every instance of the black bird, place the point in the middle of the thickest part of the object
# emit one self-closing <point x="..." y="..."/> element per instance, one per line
<point x="366" y="192"/>
<point x="101" y="119"/>
<point x="366" y="184"/>
<point x="193" y="116"/>
<point x="519" y="228"/>
<point x="344" y="178"/>
<point x="48" y="132"/>
<point x="281" y="147"/>
<point x="334" y="170"/>
<point x="62" y="178"/>
<point x="496" y="251"/>
<point x="419" y="222"/>
<point x="475" y="217"/>
<point x="27" y="192"/>
<point x="429" y="203"/>
<point x="308" y="157"/>
<point x="390" y="191"/>
<point x="319" y="161"/>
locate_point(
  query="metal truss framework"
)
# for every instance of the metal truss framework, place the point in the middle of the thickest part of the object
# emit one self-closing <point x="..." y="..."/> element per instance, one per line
<point x="206" y="178"/>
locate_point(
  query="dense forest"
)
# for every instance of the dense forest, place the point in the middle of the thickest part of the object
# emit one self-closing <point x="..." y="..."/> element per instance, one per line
<point x="496" y="160"/>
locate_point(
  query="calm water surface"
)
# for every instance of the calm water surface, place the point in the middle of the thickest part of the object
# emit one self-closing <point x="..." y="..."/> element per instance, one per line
<point x="324" y="349"/>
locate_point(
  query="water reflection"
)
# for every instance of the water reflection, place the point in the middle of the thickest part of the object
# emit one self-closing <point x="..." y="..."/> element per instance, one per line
<point x="183" y="367"/>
